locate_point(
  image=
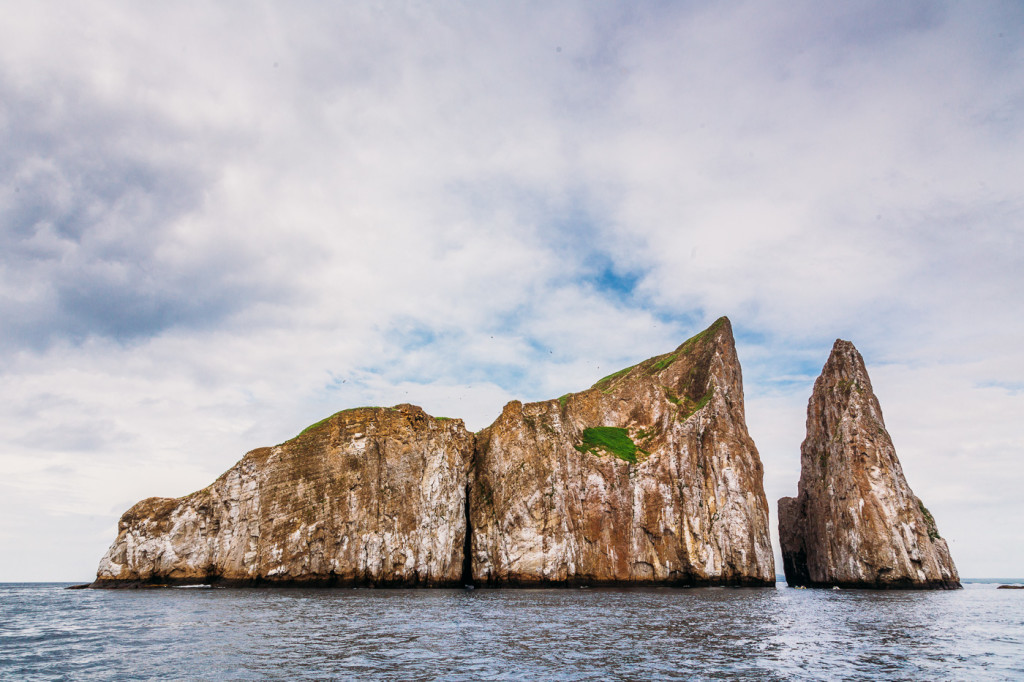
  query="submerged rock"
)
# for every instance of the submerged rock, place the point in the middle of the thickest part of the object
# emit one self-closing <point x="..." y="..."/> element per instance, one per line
<point x="855" y="522"/>
<point x="648" y="477"/>
<point x="370" y="496"/>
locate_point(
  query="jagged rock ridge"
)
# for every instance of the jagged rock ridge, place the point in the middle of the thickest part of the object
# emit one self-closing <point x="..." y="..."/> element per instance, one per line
<point x="855" y="522"/>
<point x="648" y="477"/>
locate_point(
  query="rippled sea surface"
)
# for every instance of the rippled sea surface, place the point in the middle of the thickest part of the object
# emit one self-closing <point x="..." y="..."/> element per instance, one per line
<point x="47" y="632"/>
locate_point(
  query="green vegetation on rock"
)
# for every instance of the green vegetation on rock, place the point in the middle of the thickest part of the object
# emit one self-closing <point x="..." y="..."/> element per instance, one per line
<point x="323" y="421"/>
<point x="663" y="363"/>
<point x="318" y="424"/>
<point x="606" y="383"/>
<point x="929" y="521"/>
<point x="655" y="365"/>
<point x="689" y="344"/>
<point x="611" y="439"/>
<point x="689" y="407"/>
<point x="847" y="385"/>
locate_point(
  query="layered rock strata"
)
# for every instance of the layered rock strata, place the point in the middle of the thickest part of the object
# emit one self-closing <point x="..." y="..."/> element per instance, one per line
<point x="369" y="496"/>
<point x="855" y="522"/>
<point x="648" y="477"/>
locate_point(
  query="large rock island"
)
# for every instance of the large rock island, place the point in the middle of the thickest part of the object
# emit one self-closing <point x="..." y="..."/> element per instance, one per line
<point x="855" y="522"/>
<point x="648" y="477"/>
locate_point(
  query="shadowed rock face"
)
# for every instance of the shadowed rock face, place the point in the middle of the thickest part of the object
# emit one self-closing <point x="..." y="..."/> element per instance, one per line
<point x="855" y="522"/>
<point x="369" y="496"/>
<point x="649" y="477"/>
<point x="551" y="505"/>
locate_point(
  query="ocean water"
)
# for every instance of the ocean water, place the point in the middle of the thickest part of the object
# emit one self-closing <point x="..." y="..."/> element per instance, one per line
<point x="50" y="633"/>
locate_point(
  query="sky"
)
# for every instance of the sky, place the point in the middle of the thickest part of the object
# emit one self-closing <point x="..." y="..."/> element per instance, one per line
<point x="221" y="222"/>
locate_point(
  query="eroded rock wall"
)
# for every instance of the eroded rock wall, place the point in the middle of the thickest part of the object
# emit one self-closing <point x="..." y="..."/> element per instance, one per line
<point x="551" y="505"/>
<point x="855" y="522"/>
<point x="368" y="496"/>
<point x="648" y="477"/>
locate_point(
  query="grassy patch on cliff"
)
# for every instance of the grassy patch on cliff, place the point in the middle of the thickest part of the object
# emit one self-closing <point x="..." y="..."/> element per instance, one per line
<point x="611" y="439"/>
<point x="693" y="407"/>
<point x="929" y="520"/>
<point x="318" y="424"/>
<point x="687" y="405"/>
<point x="689" y="344"/>
<point x="663" y="363"/>
<point x="704" y="400"/>
<point x="654" y="365"/>
<point x="607" y="382"/>
<point x="323" y="421"/>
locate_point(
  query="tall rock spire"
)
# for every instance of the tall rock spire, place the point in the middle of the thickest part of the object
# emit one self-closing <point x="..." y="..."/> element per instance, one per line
<point x="855" y="522"/>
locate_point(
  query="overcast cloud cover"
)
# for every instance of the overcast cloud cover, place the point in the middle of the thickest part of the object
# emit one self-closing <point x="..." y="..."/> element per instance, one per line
<point x="220" y="222"/>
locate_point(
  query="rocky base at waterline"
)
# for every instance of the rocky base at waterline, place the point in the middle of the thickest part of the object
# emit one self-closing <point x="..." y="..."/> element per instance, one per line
<point x="647" y="478"/>
<point x="855" y="522"/>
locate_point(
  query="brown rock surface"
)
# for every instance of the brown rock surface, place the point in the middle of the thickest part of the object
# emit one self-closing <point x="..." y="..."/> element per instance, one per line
<point x="367" y="496"/>
<point x="649" y="477"/>
<point x="551" y="505"/>
<point x="855" y="522"/>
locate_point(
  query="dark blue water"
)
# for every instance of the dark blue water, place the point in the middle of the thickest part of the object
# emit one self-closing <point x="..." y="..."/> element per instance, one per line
<point x="47" y="632"/>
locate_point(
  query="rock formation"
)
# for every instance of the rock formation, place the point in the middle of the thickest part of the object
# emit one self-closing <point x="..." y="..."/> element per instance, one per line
<point x="648" y="477"/>
<point x="370" y="496"/>
<point x="855" y="521"/>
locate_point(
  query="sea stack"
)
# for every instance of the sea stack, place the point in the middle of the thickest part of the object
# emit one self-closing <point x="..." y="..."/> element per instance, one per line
<point x="855" y="523"/>
<point x="369" y="496"/>
<point x="648" y="477"/>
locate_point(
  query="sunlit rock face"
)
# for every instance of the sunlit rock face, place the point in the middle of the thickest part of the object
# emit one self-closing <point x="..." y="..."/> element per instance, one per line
<point x="855" y="522"/>
<point x="370" y="496"/>
<point x="648" y="477"/>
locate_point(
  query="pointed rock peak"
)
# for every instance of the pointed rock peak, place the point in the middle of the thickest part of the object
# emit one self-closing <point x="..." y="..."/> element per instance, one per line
<point x="843" y="381"/>
<point x="719" y="331"/>
<point x="855" y="522"/>
<point x="698" y="350"/>
<point x="843" y="346"/>
<point x="844" y="358"/>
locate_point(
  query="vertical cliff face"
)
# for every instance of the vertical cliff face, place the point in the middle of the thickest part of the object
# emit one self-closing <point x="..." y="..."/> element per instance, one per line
<point x="649" y="477"/>
<point x="855" y="522"/>
<point x="368" y="496"/>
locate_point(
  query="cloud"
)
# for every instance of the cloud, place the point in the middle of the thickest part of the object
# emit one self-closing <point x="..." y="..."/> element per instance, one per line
<point x="220" y="224"/>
